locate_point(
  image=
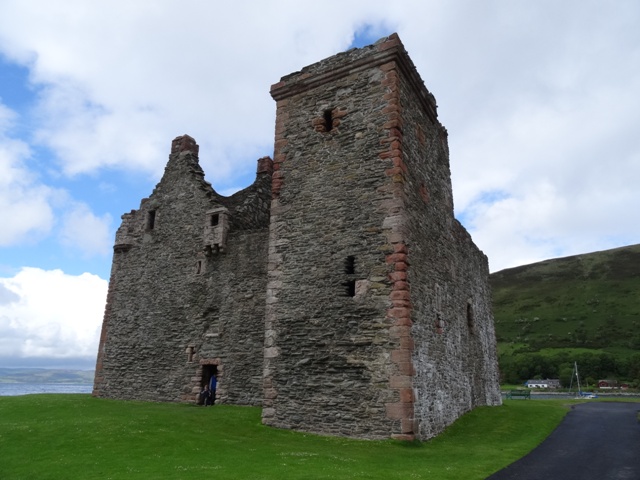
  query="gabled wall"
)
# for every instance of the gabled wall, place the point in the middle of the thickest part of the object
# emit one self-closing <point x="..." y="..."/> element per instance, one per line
<point x="185" y="293"/>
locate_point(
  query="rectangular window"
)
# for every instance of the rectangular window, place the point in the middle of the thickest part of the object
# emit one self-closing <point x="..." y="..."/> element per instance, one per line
<point x="350" y="270"/>
<point x="350" y="265"/>
<point x="151" y="220"/>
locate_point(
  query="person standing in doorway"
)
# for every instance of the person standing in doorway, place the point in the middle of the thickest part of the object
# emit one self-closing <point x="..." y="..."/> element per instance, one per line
<point x="205" y="396"/>
<point x="213" y="383"/>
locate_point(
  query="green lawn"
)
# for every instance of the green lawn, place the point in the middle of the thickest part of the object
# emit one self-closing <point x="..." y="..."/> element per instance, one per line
<point x="80" y="437"/>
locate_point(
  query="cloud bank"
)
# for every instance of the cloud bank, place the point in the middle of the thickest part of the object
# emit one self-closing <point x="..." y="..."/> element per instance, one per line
<point x="541" y="101"/>
<point x="50" y="315"/>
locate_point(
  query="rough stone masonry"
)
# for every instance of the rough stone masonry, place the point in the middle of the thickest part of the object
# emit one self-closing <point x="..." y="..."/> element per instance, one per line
<point x="337" y="291"/>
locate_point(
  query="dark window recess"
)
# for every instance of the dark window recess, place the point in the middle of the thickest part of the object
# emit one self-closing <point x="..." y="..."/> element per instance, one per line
<point x="350" y="288"/>
<point x="470" y="320"/>
<point x="215" y="219"/>
<point x="350" y="269"/>
<point x="151" y="220"/>
<point x="350" y="265"/>
<point x="199" y="267"/>
<point x="328" y="120"/>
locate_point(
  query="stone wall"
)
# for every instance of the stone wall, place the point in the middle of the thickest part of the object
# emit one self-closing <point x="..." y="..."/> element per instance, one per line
<point x="327" y="341"/>
<point x="176" y="301"/>
<point x="453" y="356"/>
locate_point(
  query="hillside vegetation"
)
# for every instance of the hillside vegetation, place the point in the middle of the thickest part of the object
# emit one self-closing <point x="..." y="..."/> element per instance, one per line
<point x="584" y="308"/>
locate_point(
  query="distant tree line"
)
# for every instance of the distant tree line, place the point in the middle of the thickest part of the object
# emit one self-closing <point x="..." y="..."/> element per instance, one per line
<point x="519" y="367"/>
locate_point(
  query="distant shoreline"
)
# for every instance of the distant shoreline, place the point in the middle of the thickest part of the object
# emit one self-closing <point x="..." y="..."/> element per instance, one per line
<point x="19" y="389"/>
<point x="34" y="376"/>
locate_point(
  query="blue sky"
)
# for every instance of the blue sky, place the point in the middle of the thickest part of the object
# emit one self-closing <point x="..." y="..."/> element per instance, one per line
<point x="541" y="101"/>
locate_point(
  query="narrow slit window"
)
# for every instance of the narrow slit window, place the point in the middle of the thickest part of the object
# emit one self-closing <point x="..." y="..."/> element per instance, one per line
<point x="350" y="265"/>
<point x="328" y="120"/>
<point x="470" y="319"/>
<point x="349" y="270"/>
<point x="350" y="288"/>
<point x="151" y="220"/>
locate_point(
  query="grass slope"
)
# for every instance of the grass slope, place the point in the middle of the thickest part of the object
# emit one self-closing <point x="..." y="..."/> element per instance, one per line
<point x="77" y="436"/>
<point x="589" y="301"/>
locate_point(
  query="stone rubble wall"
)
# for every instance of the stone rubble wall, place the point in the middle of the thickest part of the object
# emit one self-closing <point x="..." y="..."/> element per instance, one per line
<point x="327" y="355"/>
<point x="167" y="292"/>
<point x="451" y="316"/>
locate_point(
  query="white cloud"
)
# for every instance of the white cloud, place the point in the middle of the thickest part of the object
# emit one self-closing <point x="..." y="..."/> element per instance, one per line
<point x="540" y="98"/>
<point x="83" y="230"/>
<point x="25" y="214"/>
<point x="120" y="81"/>
<point x="30" y="209"/>
<point x="49" y="314"/>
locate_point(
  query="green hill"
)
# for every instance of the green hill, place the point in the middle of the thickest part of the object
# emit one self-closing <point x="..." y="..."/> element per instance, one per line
<point x="584" y="308"/>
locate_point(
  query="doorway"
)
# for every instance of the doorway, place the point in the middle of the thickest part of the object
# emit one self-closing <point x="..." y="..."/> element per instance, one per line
<point x="210" y="379"/>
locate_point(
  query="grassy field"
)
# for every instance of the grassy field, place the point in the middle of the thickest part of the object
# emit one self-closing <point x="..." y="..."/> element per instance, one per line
<point x="77" y="436"/>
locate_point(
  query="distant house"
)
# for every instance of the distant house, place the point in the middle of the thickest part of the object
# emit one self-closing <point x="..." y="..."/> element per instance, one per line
<point x="608" y="384"/>
<point x="548" y="383"/>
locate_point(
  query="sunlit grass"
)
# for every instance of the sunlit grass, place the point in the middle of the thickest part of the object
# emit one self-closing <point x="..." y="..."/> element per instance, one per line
<point x="77" y="436"/>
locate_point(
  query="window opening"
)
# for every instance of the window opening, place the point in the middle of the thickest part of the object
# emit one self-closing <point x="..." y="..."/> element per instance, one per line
<point x="470" y="320"/>
<point x="350" y="269"/>
<point x="350" y="286"/>
<point x="190" y="352"/>
<point x="328" y="120"/>
<point x="350" y="265"/>
<point x="215" y="219"/>
<point x="151" y="219"/>
<point x="199" y="267"/>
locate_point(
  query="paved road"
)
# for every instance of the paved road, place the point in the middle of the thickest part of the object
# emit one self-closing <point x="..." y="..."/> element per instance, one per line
<point x="598" y="440"/>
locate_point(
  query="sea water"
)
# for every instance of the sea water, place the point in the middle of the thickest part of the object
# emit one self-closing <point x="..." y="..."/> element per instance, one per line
<point x="12" y="389"/>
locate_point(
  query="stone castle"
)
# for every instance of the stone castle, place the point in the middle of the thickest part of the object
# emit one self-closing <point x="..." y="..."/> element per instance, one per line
<point x="337" y="292"/>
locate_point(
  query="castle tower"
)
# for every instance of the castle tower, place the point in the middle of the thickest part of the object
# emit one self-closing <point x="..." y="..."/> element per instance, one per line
<point x="378" y="317"/>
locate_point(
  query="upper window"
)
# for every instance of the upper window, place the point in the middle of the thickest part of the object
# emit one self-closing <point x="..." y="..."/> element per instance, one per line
<point x="151" y="219"/>
<point x="328" y="120"/>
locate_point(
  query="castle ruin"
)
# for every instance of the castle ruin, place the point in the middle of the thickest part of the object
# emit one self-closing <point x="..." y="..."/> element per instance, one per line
<point x="338" y="292"/>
